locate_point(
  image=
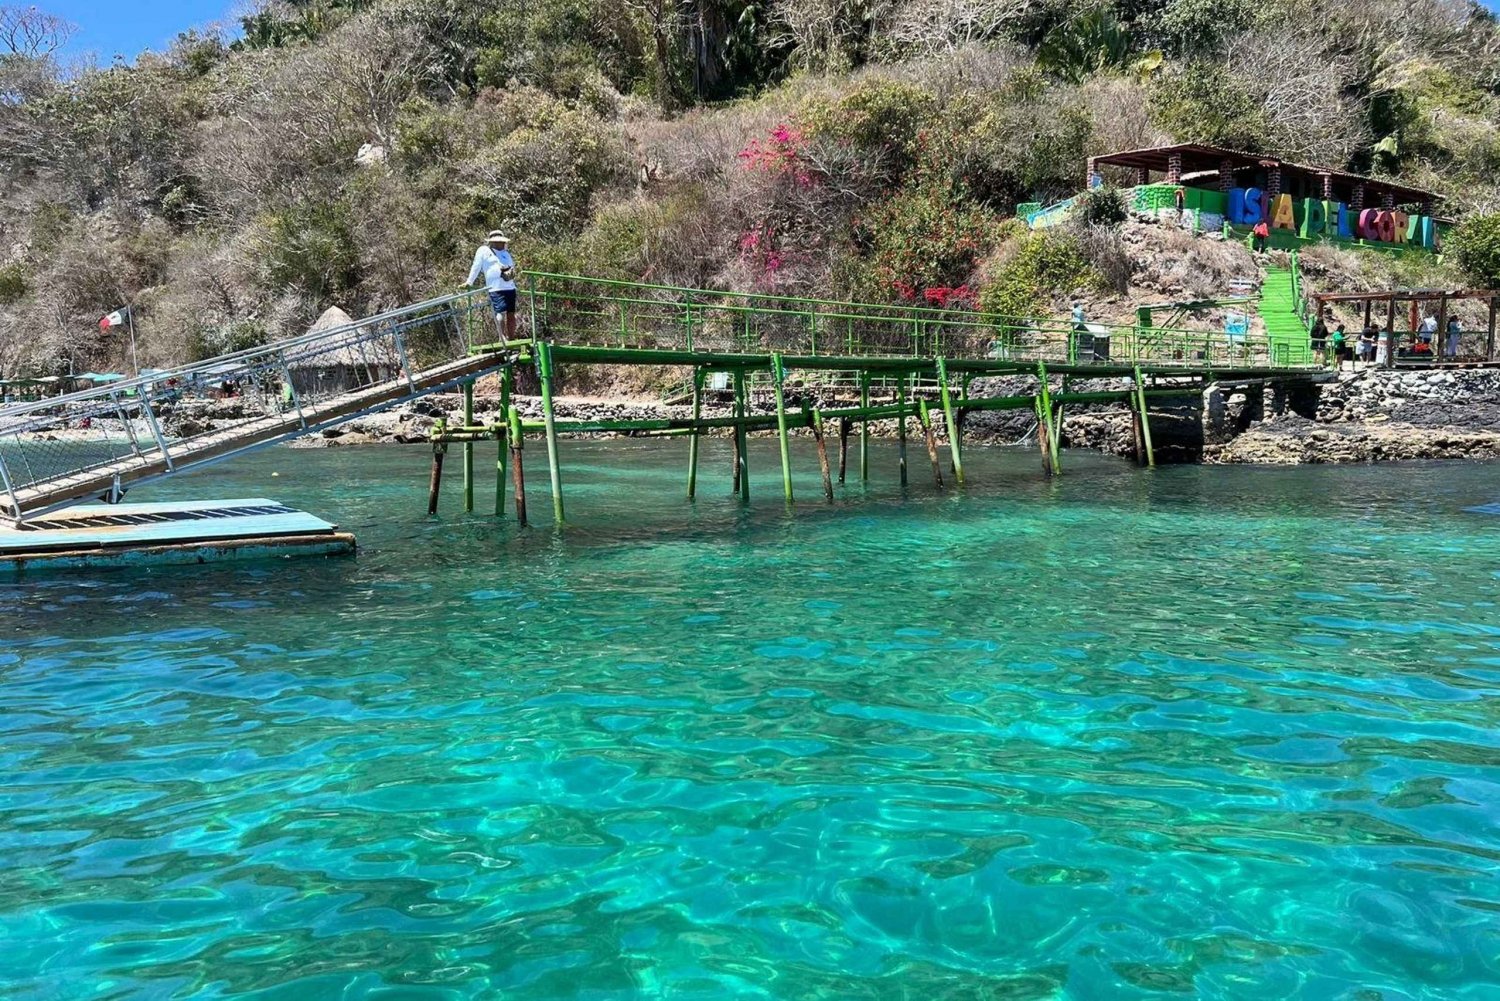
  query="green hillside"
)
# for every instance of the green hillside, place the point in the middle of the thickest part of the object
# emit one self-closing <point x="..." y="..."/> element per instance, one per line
<point x="352" y="152"/>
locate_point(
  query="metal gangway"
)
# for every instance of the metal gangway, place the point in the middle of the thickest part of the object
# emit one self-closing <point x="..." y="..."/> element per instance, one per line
<point x="58" y="451"/>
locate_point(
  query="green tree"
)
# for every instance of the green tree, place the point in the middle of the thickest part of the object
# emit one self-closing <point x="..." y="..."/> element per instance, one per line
<point x="1206" y="103"/>
<point x="1476" y="244"/>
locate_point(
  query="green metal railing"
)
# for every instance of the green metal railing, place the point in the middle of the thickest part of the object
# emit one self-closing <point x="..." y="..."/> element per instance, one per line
<point x="607" y="313"/>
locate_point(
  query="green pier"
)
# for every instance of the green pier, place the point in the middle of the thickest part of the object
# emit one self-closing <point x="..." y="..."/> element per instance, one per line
<point x="888" y="363"/>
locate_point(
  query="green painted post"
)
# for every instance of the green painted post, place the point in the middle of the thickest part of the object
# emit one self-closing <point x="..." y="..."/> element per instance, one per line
<point x="901" y="423"/>
<point x="693" y="441"/>
<point x="1140" y="395"/>
<point x="777" y="375"/>
<point x="469" y="447"/>
<point x="544" y="366"/>
<point x="1044" y="394"/>
<point x="955" y="435"/>
<point x="741" y="437"/>
<point x="864" y="427"/>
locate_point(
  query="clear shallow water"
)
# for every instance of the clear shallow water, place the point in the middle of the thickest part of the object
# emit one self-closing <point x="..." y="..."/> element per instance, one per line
<point x="1222" y="733"/>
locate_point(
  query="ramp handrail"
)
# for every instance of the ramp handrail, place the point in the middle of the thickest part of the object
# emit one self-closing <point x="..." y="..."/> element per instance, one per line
<point x="61" y="449"/>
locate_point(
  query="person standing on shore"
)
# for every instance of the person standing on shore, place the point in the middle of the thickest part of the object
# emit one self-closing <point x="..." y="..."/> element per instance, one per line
<point x="493" y="263"/>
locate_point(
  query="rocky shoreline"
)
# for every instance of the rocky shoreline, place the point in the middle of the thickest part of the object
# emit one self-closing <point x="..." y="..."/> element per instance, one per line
<point x="1356" y="416"/>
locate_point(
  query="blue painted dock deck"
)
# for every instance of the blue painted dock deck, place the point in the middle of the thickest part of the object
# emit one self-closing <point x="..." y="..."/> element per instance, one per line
<point x="94" y="535"/>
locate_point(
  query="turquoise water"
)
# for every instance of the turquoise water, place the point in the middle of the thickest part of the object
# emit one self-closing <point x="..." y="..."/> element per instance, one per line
<point x="1222" y="733"/>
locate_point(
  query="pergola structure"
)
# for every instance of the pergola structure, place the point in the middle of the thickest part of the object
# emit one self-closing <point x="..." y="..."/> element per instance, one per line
<point x="1413" y="297"/>
<point x="1213" y="166"/>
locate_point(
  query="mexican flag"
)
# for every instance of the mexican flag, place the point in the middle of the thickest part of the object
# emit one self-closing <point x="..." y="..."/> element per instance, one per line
<point x="115" y="319"/>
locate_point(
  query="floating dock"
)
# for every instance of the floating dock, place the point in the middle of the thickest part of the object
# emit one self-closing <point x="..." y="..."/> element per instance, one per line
<point x="165" y="534"/>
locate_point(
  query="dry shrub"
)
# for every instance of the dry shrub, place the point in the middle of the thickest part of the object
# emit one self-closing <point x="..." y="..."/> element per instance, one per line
<point x="1176" y="263"/>
<point x="1104" y="248"/>
<point x="1118" y="106"/>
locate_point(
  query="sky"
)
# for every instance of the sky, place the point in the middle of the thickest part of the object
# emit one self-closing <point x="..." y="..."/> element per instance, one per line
<point x="128" y="27"/>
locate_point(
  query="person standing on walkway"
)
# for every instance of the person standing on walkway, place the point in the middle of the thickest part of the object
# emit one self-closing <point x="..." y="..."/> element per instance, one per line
<point x="1260" y="234"/>
<point x="1426" y="334"/>
<point x="1337" y="342"/>
<point x="1319" y="338"/>
<point x="493" y="263"/>
<point x="1454" y="332"/>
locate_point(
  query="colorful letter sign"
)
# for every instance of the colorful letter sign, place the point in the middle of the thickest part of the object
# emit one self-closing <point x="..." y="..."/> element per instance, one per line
<point x="1312" y="217"/>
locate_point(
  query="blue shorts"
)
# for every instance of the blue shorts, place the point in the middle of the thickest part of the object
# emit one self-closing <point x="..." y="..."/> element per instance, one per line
<point x="503" y="301"/>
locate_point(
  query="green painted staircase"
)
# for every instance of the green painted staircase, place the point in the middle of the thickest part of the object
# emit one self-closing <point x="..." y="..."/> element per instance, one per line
<point x="1285" y="331"/>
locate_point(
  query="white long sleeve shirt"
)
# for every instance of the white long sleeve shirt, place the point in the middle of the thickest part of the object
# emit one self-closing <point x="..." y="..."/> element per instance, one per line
<point x="488" y="262"/>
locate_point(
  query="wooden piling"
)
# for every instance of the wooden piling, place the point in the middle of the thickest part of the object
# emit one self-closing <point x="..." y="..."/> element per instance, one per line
<point x="901" y="423"/>
<point x="435" y="483"/>
<point x="469" y="448"/>
<point x="1045" y="420"/>
<point x="952" y="423"/>
<point x="517" y="471"/>
<point x="777" y="375"/>
<point x="741" y="437"/>
<point x="692" y="484"/>
<point x="1140" y="395"/>
<point x="502" y="436"/>
<point x="844" y="425"/>
<point x="1043" y="435"/>
<point x="817" y="429"/>
<point x="544" y="368"/>
<point x="1489" y="344"/>
<point x="932" y="453"/>
<point x="864" y="427"/>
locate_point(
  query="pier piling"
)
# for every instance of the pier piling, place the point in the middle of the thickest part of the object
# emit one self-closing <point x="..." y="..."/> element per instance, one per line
<point x="435" y="483"/>
<point x="778" y="373"/>
<point x="517" y="471"/>
<point x="544" y="368"/>
<point x="692" y="484"/>
<point x="844" y="423"/>
<point x="502" y="436"/>
<point x="901" y="423"/>
<point x="469" y="448"/>
<point x="952" y="422"/>
<point x="817" y="429"/>
<point x="864" y="427"/>
<point x="1140" y="396"/>
<point x="741" y="442"/>
<point x="932" y="453"/>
